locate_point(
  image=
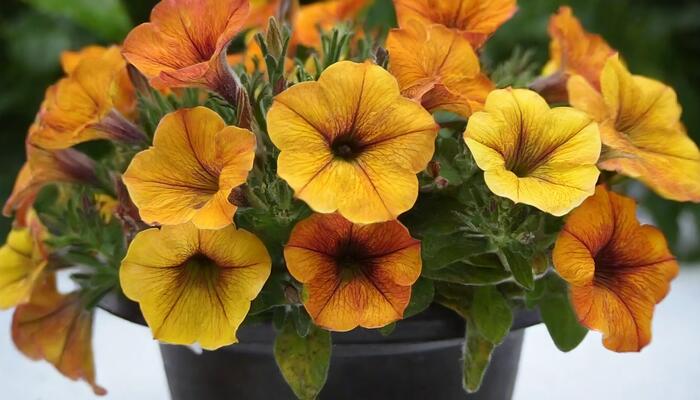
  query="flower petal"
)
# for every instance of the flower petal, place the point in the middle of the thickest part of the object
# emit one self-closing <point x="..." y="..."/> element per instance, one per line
<point x="186" y="299"/>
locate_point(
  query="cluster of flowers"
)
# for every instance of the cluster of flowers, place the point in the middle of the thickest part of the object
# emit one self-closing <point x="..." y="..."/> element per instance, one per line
<point x="355" y="141"/>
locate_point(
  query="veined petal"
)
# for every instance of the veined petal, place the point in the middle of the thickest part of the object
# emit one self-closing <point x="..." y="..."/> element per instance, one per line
<point x="476" y="20"/>
<point x="198" y="284"/>
<point x="350" y="143"/>
<point x="437" y="66"/>
<point x="191" y="169"/>
<point x="57" y="328"/>
<point x="618" y="269"/>
<point x="533" y="154"/>
<point x="354" y="275"/>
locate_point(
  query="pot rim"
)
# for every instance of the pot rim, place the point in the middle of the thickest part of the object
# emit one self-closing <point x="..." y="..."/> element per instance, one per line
<point x="436" y="325"/>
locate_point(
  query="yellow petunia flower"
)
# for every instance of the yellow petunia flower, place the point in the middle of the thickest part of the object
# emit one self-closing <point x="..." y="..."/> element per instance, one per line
<point x="438" y="67"/>
<point x="533" y="154"/>
<point x="617" y="269"/>
<point x="57" y="328"/>
<point x="476" y="20"/>
<point x="640" y="127"/>
<point x="189" y="173"/>
<point x="351" y="143"/>
<point x="355" y="275"/>
<point x="23" y="259"/>
<point x="195" y="285"/>
<point x="92" y="102"/>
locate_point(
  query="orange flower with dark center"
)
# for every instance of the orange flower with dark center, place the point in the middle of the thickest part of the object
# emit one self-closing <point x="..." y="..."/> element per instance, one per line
<point x="185" y="45"/>
<point x="617" y="269"/>
<point x="572" y="51"/>
<point x="476" y="20"/>
<point x="57" y="328"/>
<point x="354" y="274"/>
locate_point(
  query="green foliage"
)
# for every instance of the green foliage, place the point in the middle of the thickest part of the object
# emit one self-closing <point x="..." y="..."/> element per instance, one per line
<point x="551" y="295"/>
<point x="303" y="361"/>
<point x="476" y="358"/>
<point x="422" y="295"/>
<point x="107" y="18"/>
<point x="491" y="314"/>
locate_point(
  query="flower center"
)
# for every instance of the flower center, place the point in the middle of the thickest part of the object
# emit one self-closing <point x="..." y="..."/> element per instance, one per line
<point x="201" y="266"/>
<point x="346" y="147"/>
<point x="351" y="259"/>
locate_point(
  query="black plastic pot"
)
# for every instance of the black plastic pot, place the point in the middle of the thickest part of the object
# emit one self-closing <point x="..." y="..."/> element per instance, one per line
<point x="421" y="359"/>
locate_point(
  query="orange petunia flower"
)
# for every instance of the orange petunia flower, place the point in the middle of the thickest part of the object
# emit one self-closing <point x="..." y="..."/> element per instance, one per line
<point x="93" y="102"/>
<point x="194" y="285"/>
<point x="617" y="269"/>
<point x="189" y="173"/>
<point x="476" y="20"/>
<point x="354" y="275"/>
<point x="324" y="15"/>
<point x="350" y="142"/>
<point x="533" y="154"/>
<point x="572" y="51"/>
<point x="185" y="45"/>
<point x="44" y="167"/>
<point x="438" y="67"/>
<point x="57" y="328"/>
<point x="640" y="126"/>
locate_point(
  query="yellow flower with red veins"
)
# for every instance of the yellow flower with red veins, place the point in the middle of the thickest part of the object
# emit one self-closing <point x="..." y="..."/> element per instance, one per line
<point x="438" y="67"/>
<point x="572" y="51"/>
<point x="44" y="167"/>
<point x="57" y="328"/>
<point x="189" y="173"/>
<point x="185" y="42"/>
<point x="194" y="285"/>
<point x="351" y="143"/>
<point x="23" y="259"/>
<point x="354" y="275"/>
<point x="533" y="154"/>
<point x="93" y="102"/>
<point x="641" y="129"/>
<point x="476" y="20"/>
<point x="324" y="15"/>
<point x="617" y="269"/>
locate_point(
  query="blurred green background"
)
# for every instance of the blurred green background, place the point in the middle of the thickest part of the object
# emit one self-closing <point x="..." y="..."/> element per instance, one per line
<point x="657" y="38"/>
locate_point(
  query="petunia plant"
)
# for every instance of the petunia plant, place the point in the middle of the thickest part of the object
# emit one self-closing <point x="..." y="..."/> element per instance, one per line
<point x="233" y="164"/>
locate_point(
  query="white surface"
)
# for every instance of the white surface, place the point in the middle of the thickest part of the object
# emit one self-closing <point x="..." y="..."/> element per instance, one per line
<point x="129" y="366"/>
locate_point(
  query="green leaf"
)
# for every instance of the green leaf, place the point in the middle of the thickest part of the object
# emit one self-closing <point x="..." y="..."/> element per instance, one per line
<point x="303" y="361"/>
<point x="466" y="274"/>
<point x="433" y="215"/>
<point x="558" y="314"/>
<point x="439" y="251"/>
<point x="388" y="329"/>
<point x="477" y="357"/>
<point x="422" y="294"/>
<point x="491" y="314"/>
<point x="107" y="18"/>
<point x="271" y="296"/>
<point x="519" y="266"/>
